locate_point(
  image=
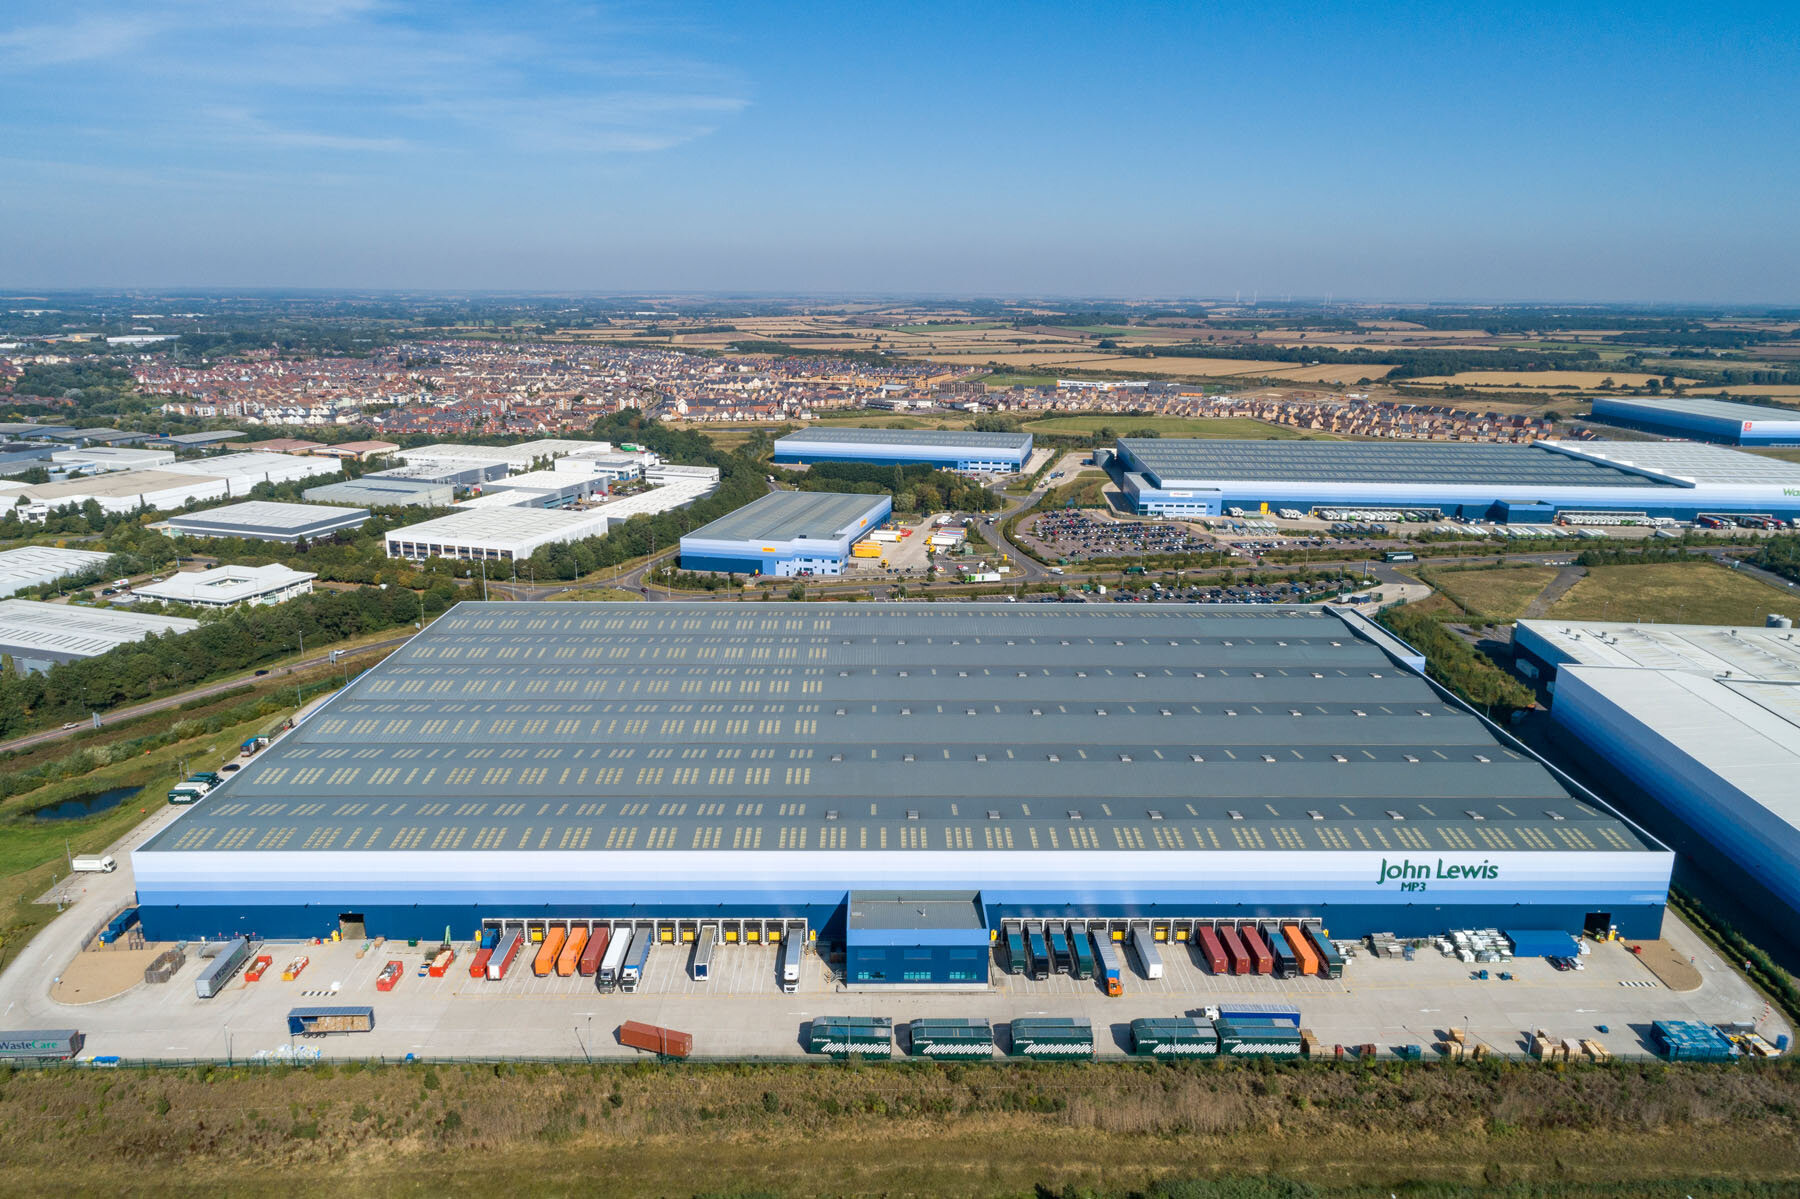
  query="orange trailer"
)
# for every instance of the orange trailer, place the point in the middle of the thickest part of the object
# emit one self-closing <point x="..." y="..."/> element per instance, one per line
<point x="1304" y="954"/>
<point x="546" y="954"/>
<point x="571" y="952"/>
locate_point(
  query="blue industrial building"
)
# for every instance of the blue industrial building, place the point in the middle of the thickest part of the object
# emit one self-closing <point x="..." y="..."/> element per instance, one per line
<point x="1706" y="420"/>
<point x="976" y="453"/>
<point x="1532" y="483"/>
<point x="786" y="533"/>
<point x="903" y="779"/>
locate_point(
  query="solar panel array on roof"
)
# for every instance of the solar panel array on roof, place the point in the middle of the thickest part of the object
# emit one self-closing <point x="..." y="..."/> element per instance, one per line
<point x="1174" y="463"/>
<point x="891" y="726"/>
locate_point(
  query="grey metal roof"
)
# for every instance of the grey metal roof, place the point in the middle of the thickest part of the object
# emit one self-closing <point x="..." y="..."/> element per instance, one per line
<point x="269" y="516"/>
<point x="31" y="628"/>
<point x="1720" y="409"/>
<point x="784" y="515"/>
<point x="1169" y="460"/>
<point x="1699" y="461"/>
<point x="915" y="909"/>
<point x="936" y="438"/>
<point x="891" y="726"/>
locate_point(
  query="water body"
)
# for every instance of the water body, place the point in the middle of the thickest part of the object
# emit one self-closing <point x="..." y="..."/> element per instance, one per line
<point x="87" y="805"/>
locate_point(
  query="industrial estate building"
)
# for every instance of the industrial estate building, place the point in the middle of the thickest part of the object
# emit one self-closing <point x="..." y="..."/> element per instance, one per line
<point x="38" y="636"/>
<point x="787" y="533"/>
<point x="1511" y="483"/>
<point x="496" y="534"/>
<point x="35" y="565"/>
<point x="230" y="586"/>
<point x="1702" y="719"/>
<point x="980" y="453"/>
<point x="265" y="520"/>
<point x="373" y="492"/>
<point x="1709" y="420"/>
<point x="679" y="763"/>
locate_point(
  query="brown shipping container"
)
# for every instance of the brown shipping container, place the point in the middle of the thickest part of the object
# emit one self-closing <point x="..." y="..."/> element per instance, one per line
<point x="649" y="1037"/>
<point x="596" y="949"/>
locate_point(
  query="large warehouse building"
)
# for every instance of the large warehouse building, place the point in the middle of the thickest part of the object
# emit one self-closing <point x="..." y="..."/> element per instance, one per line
<point x="494" y="534"/>
<point x="977" y="453"/>
<point x="36" y="636"/>
<point x="1477" y="481"/>
<point x="786" y="533"/>
<point x="677" y="763"/>
<point x="1703" y="719"/>
<point x="1708" y="420"/>
<point x="265" y="520"/>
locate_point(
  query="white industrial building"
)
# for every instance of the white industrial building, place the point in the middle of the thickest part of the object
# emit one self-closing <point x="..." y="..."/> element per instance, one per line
<point x="242" y="472"/>
<point x="121" y="491"/>
<point x="518" y="457"/>
<point x="265" y="520"/>
<point x="1703" y="719"/>
<point x="497" y="534"/>
<point x="229" y="586"/>
<point x="35" y="565"/>
<point x="102" y="458"/>
<point x="37" y="636"/>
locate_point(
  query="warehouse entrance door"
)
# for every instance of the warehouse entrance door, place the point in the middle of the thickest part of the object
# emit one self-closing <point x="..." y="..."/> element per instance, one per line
<point x="1596" y="924"/>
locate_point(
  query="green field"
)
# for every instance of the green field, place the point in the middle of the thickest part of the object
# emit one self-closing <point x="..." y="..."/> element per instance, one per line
<point x="1678" y="592"/>
<point x="1494" y="595"/>
<point x="1171" y="426"/>
<point x="609" y="594"/>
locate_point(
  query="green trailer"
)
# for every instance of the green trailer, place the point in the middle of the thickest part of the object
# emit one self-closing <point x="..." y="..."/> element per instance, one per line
<point x="950" y="1038"/>
<point x="1176" y="1036"/>
<point x="1331" y="962"/>
<point x="841" y="1036"/>
<point x="1015" y="950"/>
<point x="1053" y="1037"/>
<point x="1258" y="1038"/>
<point x="1084" y="953"/>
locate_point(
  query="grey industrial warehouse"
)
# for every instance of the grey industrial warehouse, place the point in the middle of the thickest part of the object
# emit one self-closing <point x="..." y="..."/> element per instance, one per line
<point x="265" y="520"/>
<point x="1709" y="420"/>
<point x="1533" y="483"/>
<point x="947" y="449"/>
<point x="36" y="636"/>
<point x="786" y="533"/>
<point x="682" y="763"/>
<point x="1702" y="720"/>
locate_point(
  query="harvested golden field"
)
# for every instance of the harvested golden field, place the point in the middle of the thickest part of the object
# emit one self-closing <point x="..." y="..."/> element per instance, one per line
<point x="1499" y="595"/>
<point x="913" y="1129"/>
<point x="1542" y="379"/>
<point x="1177" y="367"/>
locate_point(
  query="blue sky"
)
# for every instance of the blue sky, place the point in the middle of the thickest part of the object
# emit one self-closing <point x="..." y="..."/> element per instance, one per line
<point x="1630" y="152"/>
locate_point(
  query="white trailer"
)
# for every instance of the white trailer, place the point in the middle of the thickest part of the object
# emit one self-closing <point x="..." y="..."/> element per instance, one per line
<point x="1145" y="948"/>
<point x="94" y="864"/>
<point x="614" y="961"/>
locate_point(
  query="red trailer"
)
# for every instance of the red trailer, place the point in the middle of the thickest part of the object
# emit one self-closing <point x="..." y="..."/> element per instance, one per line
<point x="503" y="957"/>
<point x="479" y="963"/>
<point x="390" y="974"/>
<point x="596" y="949"/>
<point x="665" y="1041"/>
<point x="1263" y="959"/>
<point x="1234" y="950"/>
<point x="1211" y="950"/>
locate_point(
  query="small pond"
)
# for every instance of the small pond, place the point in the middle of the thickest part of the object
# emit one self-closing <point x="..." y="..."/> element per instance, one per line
<point x="87" y="805"/>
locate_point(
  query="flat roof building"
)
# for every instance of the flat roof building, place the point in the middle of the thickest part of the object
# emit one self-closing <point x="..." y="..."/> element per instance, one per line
<point x="1704" y="720"/>
<point x="265" y="520"/>
<point x="1479" y="481"/>
<point x="520" y="456"/>
<point x="964" y="450"/>
<point x="37" y="636"/>
<point x="497" y="534"/>
<point x="105" y="458"/>
<point x="1728" y="421"/>
<point x="230" y="586"/>
<point x="360" y="450"/>
<point x="450" y="472"/>
<point x="198" y="440"/>
<point x="372" y="492"/>
<point x="242" y="472"/>
<point x="35" y="565"/>
<point x="786" y="533"/>
<point x="691" y="761"/>
<point x="118" y="491"/>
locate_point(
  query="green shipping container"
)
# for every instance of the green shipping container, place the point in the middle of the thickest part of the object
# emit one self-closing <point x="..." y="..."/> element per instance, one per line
<point x="1179" y="1036"/>
<point x="1015" y="950"/>
<point x="841" y="1036"/>
<point x="1258" y="1038"/>
<point x="1053" y="1037"/>
<point x="941" y="1038"/>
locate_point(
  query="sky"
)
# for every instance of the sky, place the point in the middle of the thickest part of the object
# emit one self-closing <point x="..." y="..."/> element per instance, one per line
<point x="1628" y="152"/>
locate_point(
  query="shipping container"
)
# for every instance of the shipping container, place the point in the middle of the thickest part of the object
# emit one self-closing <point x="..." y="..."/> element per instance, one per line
<point x="1261" y="960"/>
<point x="1331" y="962"/>
<point x="1081" y="945"/>
<point x="1287" y="964"/>
<point x="510" y="946"/>
<point x="1056" y="939"/>
<point x="1177" y="1036"/>
<point x="632" y="972"/>
<point x="703" y="951"/>
<point x="614" y="961"/>
<point x="115" y="928"/>
<point x="317" y="1021"/>
<point x="1264" y="1038"/>
<point x="841" y="1036"/>
<point x="1149" y="959"/>
<point x="1260" y="1013"/>
<point x="45" y="1044"/>
<point x="950" y="1038"/>
<point x="1040" y="955"/>
<point x="589" y="965"/>
<point x="1302" y="949"/>
<point x="1211" y="951"/>
<point x="791" y="950"/>
<point x="478" y="965"/>
<point x="1015" y="949"/>
<point x="1237" y="955"/>
<point x="572" y="950"/>
<point x="1052" y="1037"/>
<point x="1112" y="972"/>
<point x="551" y="949"/>
<point x="218" y="972"/>
<point x="664" y="1041"/>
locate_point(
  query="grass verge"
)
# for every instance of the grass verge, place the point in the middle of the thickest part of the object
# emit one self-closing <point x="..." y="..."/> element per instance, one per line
<point x="1678" y="592"/>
